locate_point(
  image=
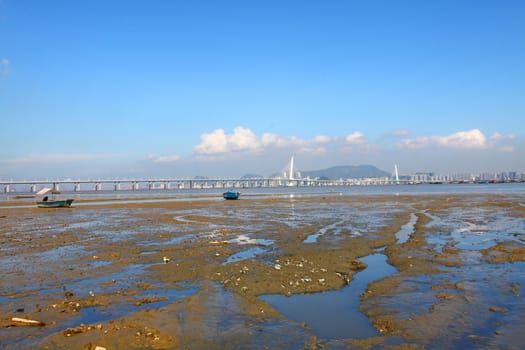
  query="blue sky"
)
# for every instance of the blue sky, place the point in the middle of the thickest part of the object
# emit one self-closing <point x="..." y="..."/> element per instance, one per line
<point x="222" y="88"/>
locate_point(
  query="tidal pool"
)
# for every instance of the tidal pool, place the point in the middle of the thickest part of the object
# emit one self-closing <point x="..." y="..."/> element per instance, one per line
<point x="335" y="314"/>
<point x="246" y="254"/>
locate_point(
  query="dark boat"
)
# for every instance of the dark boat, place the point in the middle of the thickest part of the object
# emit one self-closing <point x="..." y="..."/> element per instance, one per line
<point x="52" y="203"/>
<point x="55" y="203"/>
<point x="231" y="194"/>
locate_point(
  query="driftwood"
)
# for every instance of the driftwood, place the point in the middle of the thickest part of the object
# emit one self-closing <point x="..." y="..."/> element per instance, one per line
<point x="26" y="322"/>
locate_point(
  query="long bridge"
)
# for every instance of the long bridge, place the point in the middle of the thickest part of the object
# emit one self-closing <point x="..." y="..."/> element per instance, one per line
<point x="34" y="186"/>
<point x="290" y="177"/>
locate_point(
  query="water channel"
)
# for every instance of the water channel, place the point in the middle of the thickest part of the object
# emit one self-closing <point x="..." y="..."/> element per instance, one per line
<point x="335" y="314"/>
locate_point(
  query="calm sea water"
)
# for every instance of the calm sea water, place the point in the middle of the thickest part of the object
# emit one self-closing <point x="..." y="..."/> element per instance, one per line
<point x="504" y="188"/>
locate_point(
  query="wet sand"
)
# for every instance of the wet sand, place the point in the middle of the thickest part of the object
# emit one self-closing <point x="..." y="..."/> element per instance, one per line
<point x="189" y="274"/>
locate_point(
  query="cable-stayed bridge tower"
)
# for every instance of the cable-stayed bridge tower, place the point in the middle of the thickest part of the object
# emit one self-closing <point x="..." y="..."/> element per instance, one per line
<point x="290" y="173"/>
<point x="396" y="175"/>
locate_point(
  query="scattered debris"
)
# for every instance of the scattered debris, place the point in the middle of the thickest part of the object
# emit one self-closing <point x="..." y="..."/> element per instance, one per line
<point x="81" y="329"/>
<point x="26" y="322"/>
<point x="345" y="276"/>
<point x="218" y="242"/>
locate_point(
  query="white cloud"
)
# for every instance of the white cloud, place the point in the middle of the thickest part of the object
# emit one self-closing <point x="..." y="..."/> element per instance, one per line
<point x="502" y="142"/>
<point x="217" y="143"/>
<point x="418" y="142"/>
<point x="497" y="137"/>
<point x="270" y="139"/>
<point x="468" y="140"/>
<point x="322" y="139"/>
<point x="243" y="139"/>
<point x="273" y="140"/>
<point x="472" y="139"/>
<point x="356" y="138"/>
<point x="243" y="143"/>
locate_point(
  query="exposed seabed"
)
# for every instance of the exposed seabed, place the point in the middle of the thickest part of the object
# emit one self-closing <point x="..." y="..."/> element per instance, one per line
<point x="434" y="271"/>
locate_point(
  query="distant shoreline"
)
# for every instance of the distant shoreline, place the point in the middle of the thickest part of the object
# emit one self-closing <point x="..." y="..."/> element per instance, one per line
<point x="93" y="198"/>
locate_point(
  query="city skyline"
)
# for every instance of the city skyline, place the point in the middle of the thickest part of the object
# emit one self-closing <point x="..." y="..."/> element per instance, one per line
<point x="130" y="89"/>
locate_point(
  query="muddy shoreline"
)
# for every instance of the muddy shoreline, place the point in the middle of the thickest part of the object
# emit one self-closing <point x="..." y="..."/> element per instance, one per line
<point x="188" y="274"/>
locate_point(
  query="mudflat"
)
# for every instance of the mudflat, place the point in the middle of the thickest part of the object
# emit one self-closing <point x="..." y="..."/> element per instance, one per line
<point x="189" y="274"/>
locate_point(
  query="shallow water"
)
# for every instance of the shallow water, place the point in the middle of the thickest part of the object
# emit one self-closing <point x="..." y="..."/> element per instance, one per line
<point x="406" y="230"/>
<point x="335" y="314"/>
<point x="250" y="253"/>
<point x="475" y="228"/>
<point x="285" y="191"/>
<point x="98" y="314"/>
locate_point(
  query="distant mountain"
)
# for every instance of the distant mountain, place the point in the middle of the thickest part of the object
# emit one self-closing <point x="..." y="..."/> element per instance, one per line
<point x="346" y="172"/>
